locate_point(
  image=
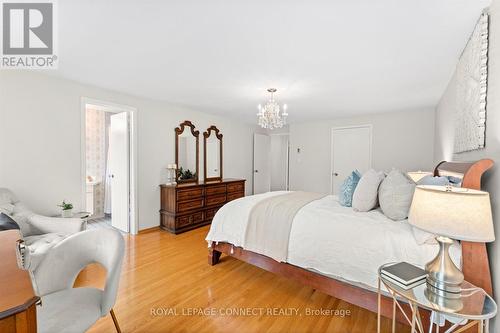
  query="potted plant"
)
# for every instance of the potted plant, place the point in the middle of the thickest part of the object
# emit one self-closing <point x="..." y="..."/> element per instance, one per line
<point x="67" y="209"/>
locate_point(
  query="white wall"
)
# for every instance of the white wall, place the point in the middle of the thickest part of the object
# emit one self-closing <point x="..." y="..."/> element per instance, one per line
<point x="445" y="136"/>
<point x="40" y="124"/>
<point x="402" y="140"/>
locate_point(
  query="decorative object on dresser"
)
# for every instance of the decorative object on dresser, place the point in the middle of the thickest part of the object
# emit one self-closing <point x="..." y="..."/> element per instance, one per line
<point x="450" y="213"/>
<point x="187" y="153"/>
<point x="188" y="206"/>
<point x="212" y="154"/>
<point x="171" y="174"/>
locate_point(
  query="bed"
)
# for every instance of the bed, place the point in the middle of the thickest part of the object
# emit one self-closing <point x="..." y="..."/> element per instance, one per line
<point x="327" y="251"/>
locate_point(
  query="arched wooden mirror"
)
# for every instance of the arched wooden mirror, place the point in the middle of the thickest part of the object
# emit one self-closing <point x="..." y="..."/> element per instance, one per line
<point x="187" y="152"/>
<point x="212" y="154"/>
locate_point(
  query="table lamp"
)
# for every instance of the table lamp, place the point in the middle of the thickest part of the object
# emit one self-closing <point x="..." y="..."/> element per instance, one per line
<point x="450" y="213"/>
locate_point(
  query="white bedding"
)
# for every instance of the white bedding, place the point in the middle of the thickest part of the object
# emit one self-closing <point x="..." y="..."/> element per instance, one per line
<point x="334" y="240"/>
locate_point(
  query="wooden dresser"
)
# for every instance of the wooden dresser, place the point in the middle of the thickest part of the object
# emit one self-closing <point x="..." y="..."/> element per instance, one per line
<point x="189" y="206"/>
<point x="17" y="299"/>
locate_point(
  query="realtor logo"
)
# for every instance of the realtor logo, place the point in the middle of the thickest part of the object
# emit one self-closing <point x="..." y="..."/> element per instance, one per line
<point x="28" y="35"/>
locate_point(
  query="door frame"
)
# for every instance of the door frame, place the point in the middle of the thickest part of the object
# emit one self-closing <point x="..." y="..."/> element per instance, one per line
<point x="132" y="117"/>
<point x="369" y="126"/>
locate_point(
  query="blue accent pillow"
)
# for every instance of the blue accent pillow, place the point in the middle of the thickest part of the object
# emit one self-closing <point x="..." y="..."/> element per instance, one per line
<point x="347" y="188"/>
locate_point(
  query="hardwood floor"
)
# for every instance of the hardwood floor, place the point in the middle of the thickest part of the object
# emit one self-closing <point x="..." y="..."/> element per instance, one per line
<point x="166" y="276"/>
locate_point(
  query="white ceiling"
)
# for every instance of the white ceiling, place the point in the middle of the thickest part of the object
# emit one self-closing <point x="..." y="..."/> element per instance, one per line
<point x="327" y="58"/>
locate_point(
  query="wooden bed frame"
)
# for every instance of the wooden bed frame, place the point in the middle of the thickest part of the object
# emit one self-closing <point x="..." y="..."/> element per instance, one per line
<point x="475" y="264"/>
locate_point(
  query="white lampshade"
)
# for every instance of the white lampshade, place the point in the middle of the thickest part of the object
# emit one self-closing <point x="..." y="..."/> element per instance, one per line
<point x="417" y="175"/>
<point x="454" y="212"/>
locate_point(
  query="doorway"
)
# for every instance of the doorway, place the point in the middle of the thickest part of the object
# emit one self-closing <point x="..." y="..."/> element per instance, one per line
<point x="108" y="155"/>
<point x="351" y="150"/>
<point x="261" y="163"/>
<point x="280" y="152"/>
<point x="270" y="162"/>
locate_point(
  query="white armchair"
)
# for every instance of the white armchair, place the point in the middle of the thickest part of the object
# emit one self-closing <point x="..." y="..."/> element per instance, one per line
<point x="40" y="233"/>
<point x="67" y="309"/>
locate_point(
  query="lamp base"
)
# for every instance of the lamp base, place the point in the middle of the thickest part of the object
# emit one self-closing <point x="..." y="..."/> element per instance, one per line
<point x="444" y="278"/>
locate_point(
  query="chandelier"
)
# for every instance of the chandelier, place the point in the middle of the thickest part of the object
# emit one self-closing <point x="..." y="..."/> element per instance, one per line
<point x="269" y="115"/>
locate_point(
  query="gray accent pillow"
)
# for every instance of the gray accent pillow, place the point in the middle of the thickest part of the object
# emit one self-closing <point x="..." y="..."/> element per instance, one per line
<point x="366" y="193"/>
<point x="395" y="195"/>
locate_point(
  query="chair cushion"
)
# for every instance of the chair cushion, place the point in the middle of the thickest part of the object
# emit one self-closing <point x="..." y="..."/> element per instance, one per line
<point x="365" y="196"/>
<point x="38" y="246"/>
<point x="69" y="311"/>
<point x="395" y="195"/>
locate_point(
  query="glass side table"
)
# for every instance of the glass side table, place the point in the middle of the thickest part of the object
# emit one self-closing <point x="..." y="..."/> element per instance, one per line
<point x="475" y="306"/>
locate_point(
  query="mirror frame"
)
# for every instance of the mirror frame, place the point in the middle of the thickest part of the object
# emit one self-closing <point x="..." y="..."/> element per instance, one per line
<point x="206" y="135"/>
<point x="178" y="131"/>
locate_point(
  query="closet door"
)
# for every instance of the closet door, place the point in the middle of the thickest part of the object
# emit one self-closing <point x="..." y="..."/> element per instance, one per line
<point x="261" y="163"/>
<point x="351" y="149"/>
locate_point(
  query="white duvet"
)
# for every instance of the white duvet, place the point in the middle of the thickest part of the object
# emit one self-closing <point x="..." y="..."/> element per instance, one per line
<point x="334" y="240"/>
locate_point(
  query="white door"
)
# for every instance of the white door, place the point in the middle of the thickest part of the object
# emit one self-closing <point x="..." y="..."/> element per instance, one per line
<point x="261" y="164"/>
<point x="351" y="149"/>
<point x="119" y="170"/>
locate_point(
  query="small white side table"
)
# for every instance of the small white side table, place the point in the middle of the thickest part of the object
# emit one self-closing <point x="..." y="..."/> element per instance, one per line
<point x="475" y="305"/>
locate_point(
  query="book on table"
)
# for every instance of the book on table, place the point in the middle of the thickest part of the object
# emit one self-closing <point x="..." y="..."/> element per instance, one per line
<point x="404" y="275"/>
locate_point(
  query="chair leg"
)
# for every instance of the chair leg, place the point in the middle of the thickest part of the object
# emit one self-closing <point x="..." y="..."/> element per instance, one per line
<point x="118" y="330"/>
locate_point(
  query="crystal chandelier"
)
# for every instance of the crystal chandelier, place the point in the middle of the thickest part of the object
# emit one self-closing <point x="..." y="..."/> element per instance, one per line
<point x="270" y="116"/>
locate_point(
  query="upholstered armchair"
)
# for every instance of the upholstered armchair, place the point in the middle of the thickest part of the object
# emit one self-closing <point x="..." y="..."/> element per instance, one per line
<point x="67" y="309"/>
<point x="40" y="233"/>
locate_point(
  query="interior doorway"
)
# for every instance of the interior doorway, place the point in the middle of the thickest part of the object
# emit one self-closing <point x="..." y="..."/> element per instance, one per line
<point x="261" y="163"/>
<point x="270" y="162"/>
<point x="280" y="152"/>
<point x="108" y="168"/>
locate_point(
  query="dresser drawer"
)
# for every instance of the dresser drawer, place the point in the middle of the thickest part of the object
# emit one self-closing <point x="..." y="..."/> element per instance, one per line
<point x="185" y="220"/>
<point x="210" y="213"/>
<point x="221" y="189"/>
<point x="189" y="205"/>
<point x="236" y="187"/>
<point x="215" y="200"/>
<point x="188" y="194"/>
<point x="236" y="195"/>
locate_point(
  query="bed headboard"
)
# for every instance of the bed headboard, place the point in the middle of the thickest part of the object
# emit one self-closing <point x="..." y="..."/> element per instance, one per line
<point x="469" y="172"/>
<point x="475" y="262"/>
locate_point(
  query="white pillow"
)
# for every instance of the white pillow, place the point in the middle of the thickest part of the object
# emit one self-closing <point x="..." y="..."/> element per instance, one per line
<point x="366" y="193"/>
<point x="395" y="195"/>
